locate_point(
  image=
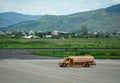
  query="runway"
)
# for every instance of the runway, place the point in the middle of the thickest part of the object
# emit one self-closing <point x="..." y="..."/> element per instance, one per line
<point x="48" y="71"/>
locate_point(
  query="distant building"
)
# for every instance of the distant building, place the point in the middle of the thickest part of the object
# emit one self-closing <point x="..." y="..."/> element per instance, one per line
<point x="54" y="33"/>
<point x="9" y="32"/>
<point x="30" y="36"/>
<point x="2" y="33"/>
<point x="95" y="33"/>
<point x="48" y="36"/>
<point x="31" y="33"/>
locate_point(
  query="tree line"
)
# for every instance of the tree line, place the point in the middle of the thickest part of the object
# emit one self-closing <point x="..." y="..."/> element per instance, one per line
<point x="83" y="32"/>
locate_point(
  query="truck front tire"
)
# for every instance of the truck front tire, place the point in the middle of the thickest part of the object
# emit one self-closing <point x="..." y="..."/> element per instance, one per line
<point x="64" y="65"/>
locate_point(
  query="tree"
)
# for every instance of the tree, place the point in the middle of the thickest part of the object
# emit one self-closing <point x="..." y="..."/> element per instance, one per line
<point x="84" y="30"/>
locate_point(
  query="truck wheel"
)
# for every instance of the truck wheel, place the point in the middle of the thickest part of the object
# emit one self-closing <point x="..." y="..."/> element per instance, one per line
<point x="61" y="66"/>
<point x="64" y="65"/>
<point x="87" y="65"/>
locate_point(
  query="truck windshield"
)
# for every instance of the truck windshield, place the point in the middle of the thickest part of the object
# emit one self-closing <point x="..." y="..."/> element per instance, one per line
<point x="64" y="58"/>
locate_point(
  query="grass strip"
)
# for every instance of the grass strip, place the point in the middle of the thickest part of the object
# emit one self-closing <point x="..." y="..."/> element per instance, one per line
<point x="60" y="43"/>
<point x="98" y="54"/>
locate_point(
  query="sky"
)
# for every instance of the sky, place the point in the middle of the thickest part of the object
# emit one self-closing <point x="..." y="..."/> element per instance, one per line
<point x="53" y="7"/>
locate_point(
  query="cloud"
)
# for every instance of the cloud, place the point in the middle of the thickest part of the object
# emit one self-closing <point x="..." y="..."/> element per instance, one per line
<point x="56" y="7"/>
<point x="117" y="1"/>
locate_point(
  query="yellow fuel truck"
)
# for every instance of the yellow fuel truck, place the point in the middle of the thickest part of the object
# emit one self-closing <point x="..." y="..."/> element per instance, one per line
<point x="84" y="61"/>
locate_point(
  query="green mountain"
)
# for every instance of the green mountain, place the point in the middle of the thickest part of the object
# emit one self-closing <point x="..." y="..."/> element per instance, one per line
<point x="105" y="20"/>
<point x="10" y="18"/>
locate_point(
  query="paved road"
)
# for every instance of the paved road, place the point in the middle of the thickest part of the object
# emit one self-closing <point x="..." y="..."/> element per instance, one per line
<point x="47" y="71"/>
<point x="23" y="54"/>
<point x="19" y="66"/>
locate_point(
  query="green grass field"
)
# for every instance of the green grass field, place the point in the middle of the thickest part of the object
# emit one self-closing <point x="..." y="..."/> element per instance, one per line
<point x="60" y="43"/>
<point x="98" y="54"/>
<point x="68" y="43"/>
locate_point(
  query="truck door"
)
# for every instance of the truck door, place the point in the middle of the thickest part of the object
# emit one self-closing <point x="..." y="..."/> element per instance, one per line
<point x="67" y="61"/>
<point x="71" y="61"/>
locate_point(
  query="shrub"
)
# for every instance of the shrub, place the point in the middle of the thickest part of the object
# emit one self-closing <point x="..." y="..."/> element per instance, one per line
<point x="114" y="54"/>
<point x="84" y="52"/>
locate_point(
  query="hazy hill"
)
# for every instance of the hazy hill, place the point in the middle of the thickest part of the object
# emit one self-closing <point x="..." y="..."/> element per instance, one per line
<point x="106" y="20"/>
<point x="10" y="18"/>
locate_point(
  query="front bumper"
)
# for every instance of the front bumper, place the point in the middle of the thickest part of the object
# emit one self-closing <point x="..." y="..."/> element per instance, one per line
<point x="60" y="64"/>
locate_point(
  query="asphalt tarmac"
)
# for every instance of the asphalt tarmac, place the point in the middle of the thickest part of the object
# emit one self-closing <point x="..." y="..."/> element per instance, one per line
<point x="21" y="67"/>
<point x="48" y="71"/>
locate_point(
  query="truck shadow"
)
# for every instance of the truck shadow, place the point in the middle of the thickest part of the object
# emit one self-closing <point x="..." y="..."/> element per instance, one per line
<point x="78" y="67"/>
